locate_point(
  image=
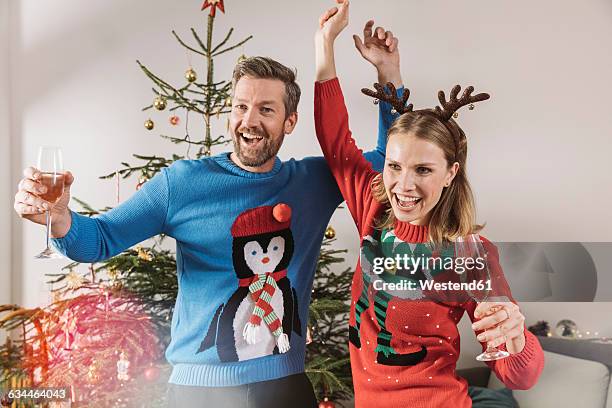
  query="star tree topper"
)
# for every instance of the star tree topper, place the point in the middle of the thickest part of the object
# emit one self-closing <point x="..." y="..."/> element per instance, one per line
<point x="214" y="5"/>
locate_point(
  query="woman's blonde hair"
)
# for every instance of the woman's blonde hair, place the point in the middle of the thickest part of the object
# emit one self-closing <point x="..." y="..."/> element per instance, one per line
<point x="454" y="215"/>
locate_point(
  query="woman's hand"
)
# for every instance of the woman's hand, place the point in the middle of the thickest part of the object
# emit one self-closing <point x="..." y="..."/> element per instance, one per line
<point x="380" y="48"/>
<point x="502" y="322"/>
<point x="331" y="23"/>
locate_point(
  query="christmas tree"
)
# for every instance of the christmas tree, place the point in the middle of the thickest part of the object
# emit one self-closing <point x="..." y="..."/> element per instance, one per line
<point x="105" y="331"/>
<point x="327" y="355"/>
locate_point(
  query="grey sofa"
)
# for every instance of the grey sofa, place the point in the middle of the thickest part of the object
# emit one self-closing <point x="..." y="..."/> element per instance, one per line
<point x="577" y="373"/>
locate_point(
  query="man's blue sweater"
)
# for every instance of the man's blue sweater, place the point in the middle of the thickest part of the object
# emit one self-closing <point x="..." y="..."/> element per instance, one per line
<point x="227" y="226"/>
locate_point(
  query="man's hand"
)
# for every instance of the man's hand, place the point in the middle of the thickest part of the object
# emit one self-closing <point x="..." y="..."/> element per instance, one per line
<point x="30" y="206"/>
<point x="331" y="23"/>
<point x="380" y="48"/>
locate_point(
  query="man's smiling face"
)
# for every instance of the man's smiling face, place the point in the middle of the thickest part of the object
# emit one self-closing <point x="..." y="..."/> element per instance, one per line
<point x="258" y="122"/>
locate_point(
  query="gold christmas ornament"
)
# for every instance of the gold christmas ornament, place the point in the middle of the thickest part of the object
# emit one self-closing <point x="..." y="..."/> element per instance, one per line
<point x="190" y="75"/>
<point x="149" y="125"/>
<point x="74" y="280"/>
<point x="330" y="233"/>
<point x="159" y="103"/>
<point x="455" y="115"/>
<point x="471" y="106"/>
<point x="143" y="254"/>
<point x="241" y="58"/>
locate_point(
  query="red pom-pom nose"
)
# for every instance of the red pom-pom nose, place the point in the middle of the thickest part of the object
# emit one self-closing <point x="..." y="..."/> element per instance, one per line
<point x="281" y="212"/>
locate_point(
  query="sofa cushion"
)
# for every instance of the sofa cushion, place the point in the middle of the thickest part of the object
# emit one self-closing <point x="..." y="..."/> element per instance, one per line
<point x="565" y="382"/>
<point x="488" y="398"/>
<point x="610" y="391"/>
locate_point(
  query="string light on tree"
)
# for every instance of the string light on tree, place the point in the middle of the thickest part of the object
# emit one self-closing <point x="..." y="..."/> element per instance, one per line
<point x="93" y="373"/>
<point x="123" y="366"/>
<point x="143" y="253"/>
<point x="68" y="322"/>
<point x="113" y="274"/>
<point x="74" y="280"/>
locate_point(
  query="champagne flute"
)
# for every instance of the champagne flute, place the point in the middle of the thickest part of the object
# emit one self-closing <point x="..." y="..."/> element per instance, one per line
<point x="471" y="246"/>
<point x="52" y="176"/>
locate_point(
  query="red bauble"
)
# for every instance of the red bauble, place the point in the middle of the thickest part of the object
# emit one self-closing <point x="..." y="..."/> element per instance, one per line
<point x="6" y="401"/>
<point x="174" y="120"/>
<point x="151" y="373"/>
<point x="281" y="212"/>
<point x="141" y="182"/>
<point x="326" y="403"/>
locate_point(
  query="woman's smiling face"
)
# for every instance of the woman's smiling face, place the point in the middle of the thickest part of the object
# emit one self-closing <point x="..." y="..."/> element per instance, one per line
<point x="414" y="176"/>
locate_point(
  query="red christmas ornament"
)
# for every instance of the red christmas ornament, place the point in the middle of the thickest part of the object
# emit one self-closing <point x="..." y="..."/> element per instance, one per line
<point x="141" y="182"/>
<point x="151" y="373"/>
<point x="6" y="401"/>
<point x="174" y="120"/>
<point x="281" y="212"/>
<point x="214" y="5"/>
<point x="326" y="403"/>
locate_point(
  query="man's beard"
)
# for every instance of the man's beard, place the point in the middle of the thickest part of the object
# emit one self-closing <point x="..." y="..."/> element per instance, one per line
<point x="266" y="148"/>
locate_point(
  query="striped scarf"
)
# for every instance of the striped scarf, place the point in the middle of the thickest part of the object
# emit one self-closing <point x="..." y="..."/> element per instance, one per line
<point x="262" y="288"/>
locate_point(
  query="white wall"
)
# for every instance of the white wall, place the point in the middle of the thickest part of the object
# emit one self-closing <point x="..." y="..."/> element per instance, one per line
<point x="538" y="150"/>
<point x="5" y="163"/>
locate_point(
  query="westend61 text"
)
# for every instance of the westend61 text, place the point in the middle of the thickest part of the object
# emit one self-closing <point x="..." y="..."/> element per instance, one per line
<point x="435" y="286"/>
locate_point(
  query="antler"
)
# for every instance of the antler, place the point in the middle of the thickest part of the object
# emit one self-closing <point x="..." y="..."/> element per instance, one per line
<point x="453" y="104"/>
<point x="390" y="95"/>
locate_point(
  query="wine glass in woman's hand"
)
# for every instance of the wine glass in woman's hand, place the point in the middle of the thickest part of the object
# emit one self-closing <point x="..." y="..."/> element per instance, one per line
<point x="476" y="273"/>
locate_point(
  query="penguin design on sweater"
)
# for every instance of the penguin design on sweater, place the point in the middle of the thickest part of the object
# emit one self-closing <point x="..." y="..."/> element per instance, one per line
<point x="261" y="314"/>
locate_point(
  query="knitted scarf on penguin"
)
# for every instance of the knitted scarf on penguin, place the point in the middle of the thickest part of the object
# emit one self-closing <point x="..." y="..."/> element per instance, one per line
<point x="263" y="286"/>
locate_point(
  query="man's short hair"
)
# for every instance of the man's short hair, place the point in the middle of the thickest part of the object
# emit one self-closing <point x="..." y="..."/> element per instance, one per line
<point x="267" y="68"/>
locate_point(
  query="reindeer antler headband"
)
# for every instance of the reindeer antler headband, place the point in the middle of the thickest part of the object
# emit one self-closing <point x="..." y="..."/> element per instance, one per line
<point x="447" y="110"/>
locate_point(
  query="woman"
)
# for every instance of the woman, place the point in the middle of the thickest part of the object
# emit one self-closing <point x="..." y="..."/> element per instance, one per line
<point x="404" y="352"/>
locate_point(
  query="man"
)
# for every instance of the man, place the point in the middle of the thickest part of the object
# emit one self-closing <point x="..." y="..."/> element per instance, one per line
<point x="248" y="231"/>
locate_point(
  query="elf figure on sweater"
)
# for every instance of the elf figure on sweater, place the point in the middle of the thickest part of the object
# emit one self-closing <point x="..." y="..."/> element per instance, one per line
<point x="415" y="268"/>
<point x="405" y="347"/>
